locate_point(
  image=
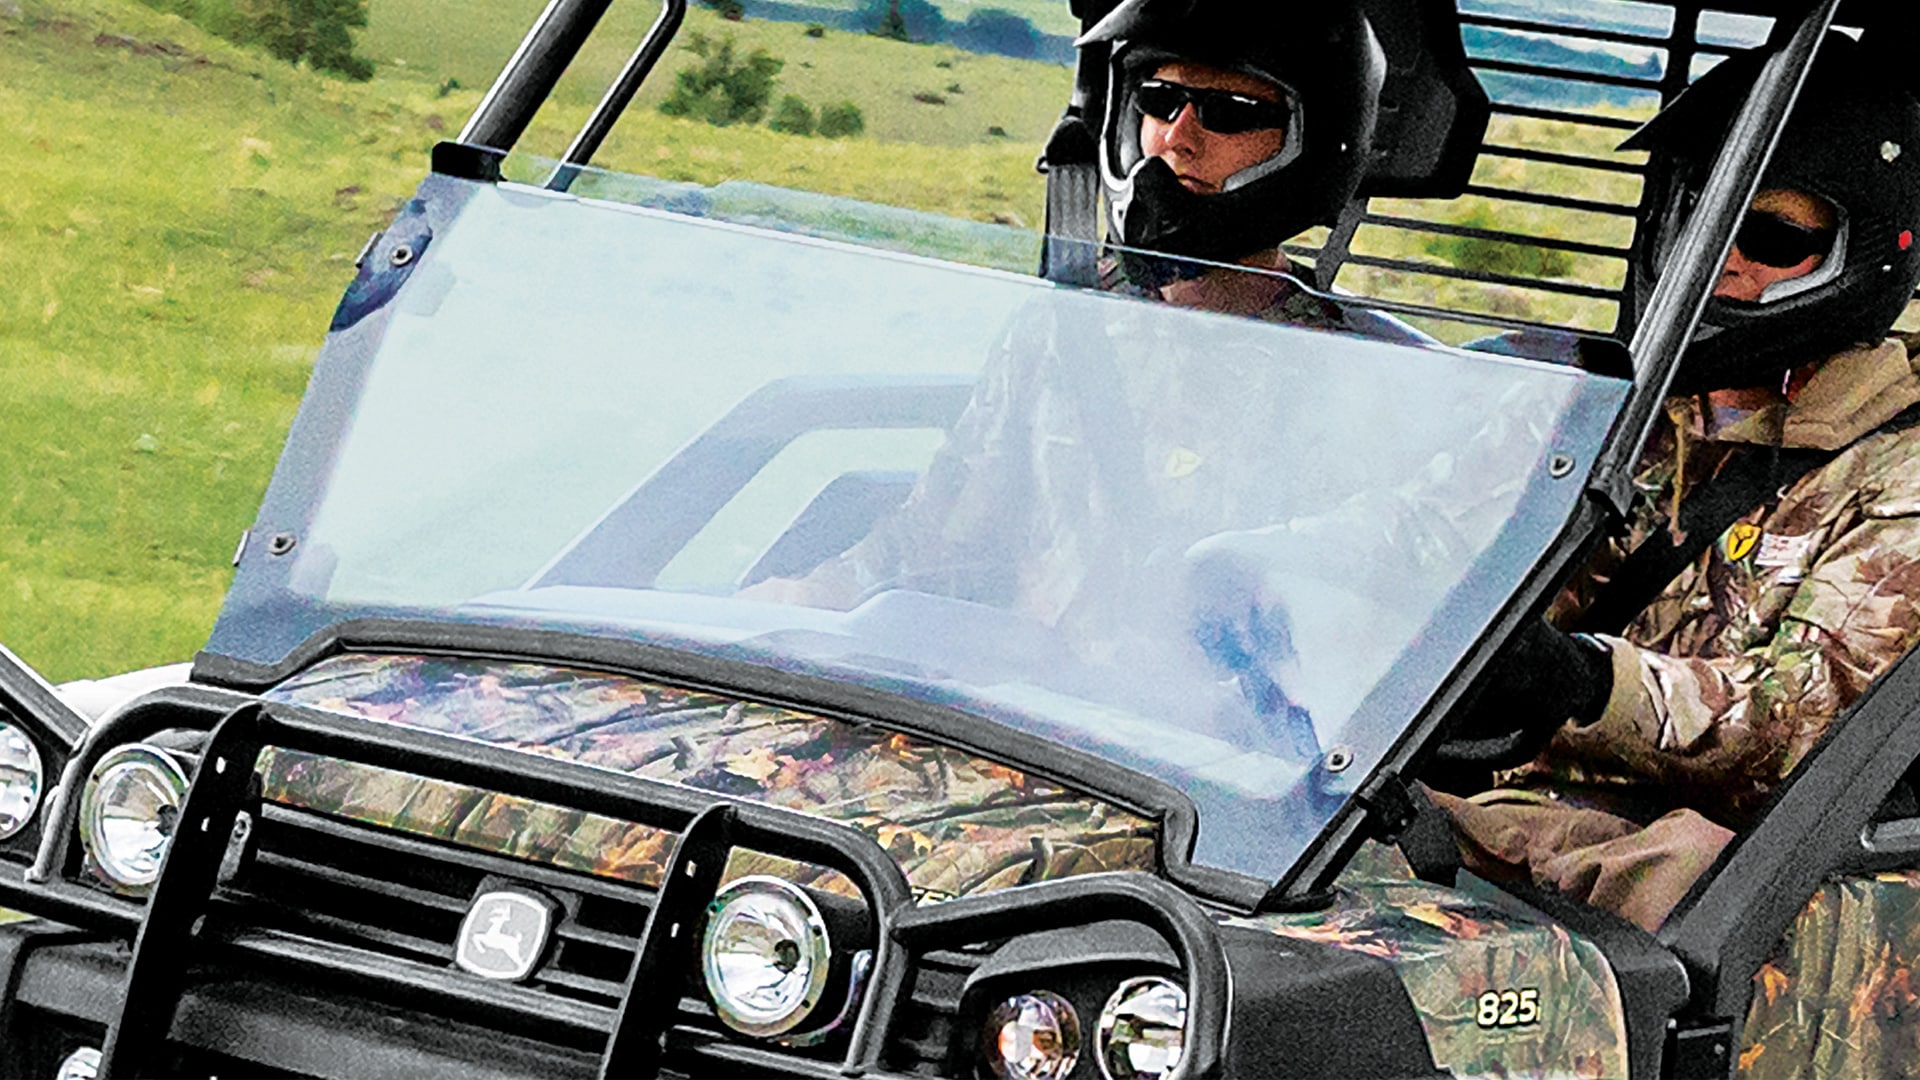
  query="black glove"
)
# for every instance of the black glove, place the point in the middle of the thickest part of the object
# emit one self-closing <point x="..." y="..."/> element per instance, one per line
<point x="1541" y="679"/>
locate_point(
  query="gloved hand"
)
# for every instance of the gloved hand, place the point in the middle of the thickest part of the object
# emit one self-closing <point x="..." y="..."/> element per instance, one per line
<point x="1542" y="679"/>
<point x="1242" y="625"/>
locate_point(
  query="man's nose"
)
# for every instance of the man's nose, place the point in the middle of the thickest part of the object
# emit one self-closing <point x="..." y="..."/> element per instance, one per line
<point x="1186" y="130"/>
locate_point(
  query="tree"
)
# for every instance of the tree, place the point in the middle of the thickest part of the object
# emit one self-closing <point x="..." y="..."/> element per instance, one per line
<point x="317" y="31"/>
<point x="724" y="89"/>
<point x="904" y="20"/>
<point x="997" y="30"/>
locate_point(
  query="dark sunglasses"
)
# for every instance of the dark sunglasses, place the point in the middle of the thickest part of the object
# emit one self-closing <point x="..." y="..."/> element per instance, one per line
<point x="1222" y="112"/>
<point x="1771" y="240"/>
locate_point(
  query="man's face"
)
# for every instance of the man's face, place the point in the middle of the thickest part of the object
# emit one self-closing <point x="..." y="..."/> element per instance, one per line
<point x="1202" y="158"/>
<point x="1780" y="226"/>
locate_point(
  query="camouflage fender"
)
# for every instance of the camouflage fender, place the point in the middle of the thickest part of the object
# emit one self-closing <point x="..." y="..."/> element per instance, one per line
<point x="1459" y="958"/>
<point x="957" y="824"/>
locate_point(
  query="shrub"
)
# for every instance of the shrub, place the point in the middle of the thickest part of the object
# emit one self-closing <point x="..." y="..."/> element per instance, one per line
<point x="317" y="31"/>
<point x="723" y="89"/>
<point x="840" y="120"/>
<point x="1497" y="256"/>
<point x="729" y="9"/>
<point x="928" y="97"/>
<point x="792" y="116"/>
<point x="816" y="30"/>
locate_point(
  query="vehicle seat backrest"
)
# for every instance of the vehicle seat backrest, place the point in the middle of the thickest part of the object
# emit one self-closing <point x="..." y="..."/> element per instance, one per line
<point x="1433" y="112"/>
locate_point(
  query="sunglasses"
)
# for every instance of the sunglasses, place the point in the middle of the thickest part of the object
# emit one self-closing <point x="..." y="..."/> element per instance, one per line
<point x="1771" y="240"/>
<point x="1222" y="112"/>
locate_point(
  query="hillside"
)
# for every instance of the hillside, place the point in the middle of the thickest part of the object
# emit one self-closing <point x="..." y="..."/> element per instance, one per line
<point x="178" y="217"/>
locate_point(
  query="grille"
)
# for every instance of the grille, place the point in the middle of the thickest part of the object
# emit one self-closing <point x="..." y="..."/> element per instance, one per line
<point x="352" y="886"/>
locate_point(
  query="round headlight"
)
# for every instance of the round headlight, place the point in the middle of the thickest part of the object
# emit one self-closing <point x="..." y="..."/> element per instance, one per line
<point x="1033" y="1037"/>
<point x="128" y="812"/>
<point x="766" y="955"/>
<point x="21" y="779"/>
<point x="1143" y="1030"/>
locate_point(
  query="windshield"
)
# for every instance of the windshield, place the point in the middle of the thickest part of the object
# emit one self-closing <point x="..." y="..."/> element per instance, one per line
<point x="1237" y="554"/>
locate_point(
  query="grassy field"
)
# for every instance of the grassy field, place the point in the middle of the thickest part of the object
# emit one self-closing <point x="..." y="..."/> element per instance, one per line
<point x="178" y="217"/>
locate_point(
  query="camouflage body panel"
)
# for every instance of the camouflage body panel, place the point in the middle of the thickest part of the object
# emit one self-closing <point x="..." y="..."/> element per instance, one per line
<point x="1839" y="996"/>
<point x="1456" y="954"/>
<point x="957" y="824"/>
<point x="1778" y="627"/>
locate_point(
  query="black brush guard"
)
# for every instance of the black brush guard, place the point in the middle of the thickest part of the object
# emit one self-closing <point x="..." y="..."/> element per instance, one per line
<point x="169" y="937"/>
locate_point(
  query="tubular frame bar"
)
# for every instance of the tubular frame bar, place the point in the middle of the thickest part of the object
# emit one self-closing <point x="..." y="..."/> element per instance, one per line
<point x="1447" y="228"/>
<point x="619" y="95"/>
<point x="1565" y="116"/>
<point x="1497" y="22"/>
<point x="531" y="73"/>
<point x="1591" y="292"/>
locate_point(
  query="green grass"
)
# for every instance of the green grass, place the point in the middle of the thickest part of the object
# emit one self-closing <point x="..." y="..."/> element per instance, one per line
<point x="178" y="217"/>
<point x="175" y="230"/>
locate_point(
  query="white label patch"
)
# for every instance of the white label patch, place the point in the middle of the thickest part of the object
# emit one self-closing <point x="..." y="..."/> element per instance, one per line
<point x="1788" y="553"/>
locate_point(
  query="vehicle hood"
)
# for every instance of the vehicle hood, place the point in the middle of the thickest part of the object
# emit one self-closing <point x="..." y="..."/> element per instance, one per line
<point x="957" y="824"/>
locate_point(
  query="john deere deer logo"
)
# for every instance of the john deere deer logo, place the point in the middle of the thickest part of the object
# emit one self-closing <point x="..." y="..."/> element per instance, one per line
<point x="503" y="935"/>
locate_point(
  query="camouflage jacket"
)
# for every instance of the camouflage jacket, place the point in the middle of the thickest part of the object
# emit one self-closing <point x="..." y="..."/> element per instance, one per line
<point x="1725" y="682"/>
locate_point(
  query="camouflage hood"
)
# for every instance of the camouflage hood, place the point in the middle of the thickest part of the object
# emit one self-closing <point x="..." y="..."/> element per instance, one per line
<point x="957" y="824"/>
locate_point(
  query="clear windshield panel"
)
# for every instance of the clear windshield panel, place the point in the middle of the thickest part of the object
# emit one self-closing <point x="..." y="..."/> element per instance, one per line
<point x="1235" y="553"/>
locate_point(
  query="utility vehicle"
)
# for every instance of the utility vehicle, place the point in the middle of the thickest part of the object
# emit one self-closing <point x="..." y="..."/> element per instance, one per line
<point x="512" y="754"/>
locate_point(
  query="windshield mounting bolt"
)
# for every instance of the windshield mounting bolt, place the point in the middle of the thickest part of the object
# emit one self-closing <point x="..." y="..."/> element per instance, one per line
<point x="1339" y="759"/>
<point x="281" y="543"/>
<point x="1559" y="466"/>
<point x="402" y="255"/>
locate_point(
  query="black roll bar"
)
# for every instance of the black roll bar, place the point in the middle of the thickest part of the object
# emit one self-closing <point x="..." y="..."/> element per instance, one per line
<point x="619" y="95"/>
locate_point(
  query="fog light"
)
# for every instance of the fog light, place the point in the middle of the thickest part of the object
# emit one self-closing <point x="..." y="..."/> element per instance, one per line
<point x="766" y="955"/>
<point x="1143" y="1030"/>
<point x="1033" y="1037"/>
<point x="82" y="1064"/>
<point x="22" y="778"/>
<point x="128" y="811"/>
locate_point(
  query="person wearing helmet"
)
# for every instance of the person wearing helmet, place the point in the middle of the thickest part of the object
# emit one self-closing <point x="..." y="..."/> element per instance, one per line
<point x="1230" y="128"/>
<point x="1772" y="567"/>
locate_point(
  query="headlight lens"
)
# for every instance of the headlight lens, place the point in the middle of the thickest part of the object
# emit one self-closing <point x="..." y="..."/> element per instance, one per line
<point x="21" y="779"/>
<point x="766" y="955"/>
<point x="1033" y="1037"/>
<point x="82" y="1064"/>
<point x="1143" y="1030"/>
<point x="128" y="811"/>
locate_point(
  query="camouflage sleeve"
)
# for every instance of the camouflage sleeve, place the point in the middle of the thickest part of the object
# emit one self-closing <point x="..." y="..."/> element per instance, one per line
<point x="1726" y="730"/>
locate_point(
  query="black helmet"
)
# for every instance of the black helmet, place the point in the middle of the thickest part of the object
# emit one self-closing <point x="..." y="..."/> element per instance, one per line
<point x="1323" y="56"/>
<point x="1853" y="140"/>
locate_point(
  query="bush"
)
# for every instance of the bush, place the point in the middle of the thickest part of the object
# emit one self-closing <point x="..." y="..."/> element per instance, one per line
<point x="792" y="116"/>
<point x="317" y="31"/>
<point x="840" y="120"/>
<point x="1498" y="256"/>
<point x="725" y="89"/>
<point x="731" y="10"/>
<point x="816" y="30"/>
